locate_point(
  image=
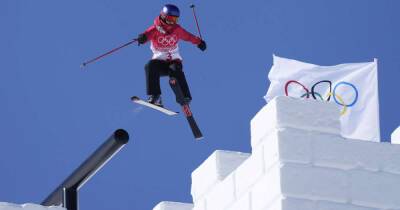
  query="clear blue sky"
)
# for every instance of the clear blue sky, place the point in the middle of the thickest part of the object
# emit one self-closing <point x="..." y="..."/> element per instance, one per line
<point x="54" y="114"/>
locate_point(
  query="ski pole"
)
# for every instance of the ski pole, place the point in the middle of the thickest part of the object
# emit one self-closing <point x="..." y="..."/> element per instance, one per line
<point x="107" y="53"/>
<point x="195" y="18"/>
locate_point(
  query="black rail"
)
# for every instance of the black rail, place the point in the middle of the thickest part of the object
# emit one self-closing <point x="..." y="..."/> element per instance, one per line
<point x="66" y="194"/>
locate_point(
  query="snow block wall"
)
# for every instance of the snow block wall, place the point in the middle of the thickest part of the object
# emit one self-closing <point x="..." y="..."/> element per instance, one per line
<point x="166" y="205"/>
<point x="28" y="206"/>
<point x="299" y="161"/>
<point x="395" y="137"/>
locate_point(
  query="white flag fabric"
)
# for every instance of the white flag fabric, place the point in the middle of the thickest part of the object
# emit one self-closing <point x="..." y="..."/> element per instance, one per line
<point x="352" y="86"/>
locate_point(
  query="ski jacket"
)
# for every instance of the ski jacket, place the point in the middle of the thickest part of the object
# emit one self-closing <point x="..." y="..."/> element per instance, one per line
<point x="164" y="39"/>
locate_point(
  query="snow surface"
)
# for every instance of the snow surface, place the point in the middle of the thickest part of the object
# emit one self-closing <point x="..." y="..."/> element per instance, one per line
<point x="295" y="113"/>
<point x="395" y="137"/>
<point x="215" y="169"/>
<point x="27" y="206"/>
<point x="167" y="205"/>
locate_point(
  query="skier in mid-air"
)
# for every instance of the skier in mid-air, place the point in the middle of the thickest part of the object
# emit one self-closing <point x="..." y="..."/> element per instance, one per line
<point x="164" y="35"/>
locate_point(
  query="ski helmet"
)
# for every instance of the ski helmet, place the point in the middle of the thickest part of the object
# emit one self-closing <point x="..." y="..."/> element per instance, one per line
<point x="170" y="10"/>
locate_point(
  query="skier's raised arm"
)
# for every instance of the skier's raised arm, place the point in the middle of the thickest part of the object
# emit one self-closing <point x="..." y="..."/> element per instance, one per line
<point x="187" y="36"/>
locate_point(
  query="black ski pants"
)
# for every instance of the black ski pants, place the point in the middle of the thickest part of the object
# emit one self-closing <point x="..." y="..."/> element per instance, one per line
<point x="158" y="68"/>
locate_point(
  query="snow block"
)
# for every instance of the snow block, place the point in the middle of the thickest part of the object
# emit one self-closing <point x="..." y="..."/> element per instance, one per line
<point x="347" y="154"/>
<point x="213" y="170"/>
<point x="28" y="206"/>
<point x="167" y="205"/>
<point x="289" y="203"/>
<point x="267" y="190"/>
<point x="242" y="204"/>
<point x="317" y="183"/>
<point x="326" y="205"/>
<point x="287" y="112"/>
<point x="395" y="137"/>
<point x="222" y="195"/>
<point x="375" y="189"/>
<point x="390" y="157"/>
<point x="249" y="172"/>
<point x="288" y="145"/>
<point x="200" y="205"/>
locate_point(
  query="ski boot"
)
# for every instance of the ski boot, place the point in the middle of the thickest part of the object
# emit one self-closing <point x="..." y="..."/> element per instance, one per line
<point x="155" y="99"/>
<point x="187" y="100"/>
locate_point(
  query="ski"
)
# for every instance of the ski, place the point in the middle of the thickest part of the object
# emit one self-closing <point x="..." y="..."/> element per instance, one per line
<point x="185" y="108"/>
<point x="137" y="100"/>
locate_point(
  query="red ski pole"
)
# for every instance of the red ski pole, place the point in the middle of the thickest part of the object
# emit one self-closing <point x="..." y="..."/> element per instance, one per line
<point x="107" y="53"/>
<point x="195" y="18"/>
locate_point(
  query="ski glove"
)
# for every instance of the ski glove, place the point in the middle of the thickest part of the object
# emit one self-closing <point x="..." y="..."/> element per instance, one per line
<point x="202" y="46"/>
<point x="142" y="39"/>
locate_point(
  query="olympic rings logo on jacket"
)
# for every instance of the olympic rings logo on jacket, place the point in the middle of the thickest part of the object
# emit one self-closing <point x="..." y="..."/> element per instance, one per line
<point x="331" y="93"/>
<point x="168" y="40"/>
<point x="164" y="39"/>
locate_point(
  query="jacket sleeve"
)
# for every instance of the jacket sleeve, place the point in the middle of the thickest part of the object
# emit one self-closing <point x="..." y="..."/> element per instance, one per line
<point x="186" y="36"/>
<point x="150" y="33"/>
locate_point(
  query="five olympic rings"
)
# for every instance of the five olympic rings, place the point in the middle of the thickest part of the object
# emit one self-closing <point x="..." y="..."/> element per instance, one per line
<point x="167" y="40"/>
<point x="336" y="97"/>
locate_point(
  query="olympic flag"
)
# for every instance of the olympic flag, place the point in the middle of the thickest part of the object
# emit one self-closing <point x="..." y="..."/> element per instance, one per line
<point x="352" y="86"/>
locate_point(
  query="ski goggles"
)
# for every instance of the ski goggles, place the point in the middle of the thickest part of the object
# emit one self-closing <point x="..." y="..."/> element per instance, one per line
<point x="169" y="19"/>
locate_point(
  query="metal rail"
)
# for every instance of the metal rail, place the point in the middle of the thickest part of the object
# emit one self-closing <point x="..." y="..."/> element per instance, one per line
<point x="66" y="194"/>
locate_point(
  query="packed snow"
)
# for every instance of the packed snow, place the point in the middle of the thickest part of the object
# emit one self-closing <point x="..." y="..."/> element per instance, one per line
<point x="395" y="137"/>
<point x="167" y="205"/>
<point x="300" y="161"/>
<point x="215" y="169"/>
<point x="27" y="206"/>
